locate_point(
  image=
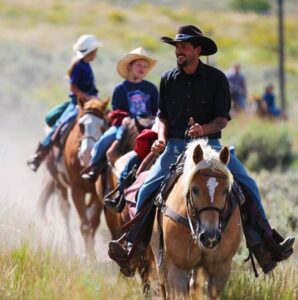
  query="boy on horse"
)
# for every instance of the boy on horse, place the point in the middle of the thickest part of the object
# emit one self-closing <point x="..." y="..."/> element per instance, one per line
<point x="195" y="98"/>
<point x="82" y="88"/>
<point x="133" y="97"/>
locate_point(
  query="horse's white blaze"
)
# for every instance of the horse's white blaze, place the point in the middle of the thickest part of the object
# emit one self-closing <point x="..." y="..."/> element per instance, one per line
<point x="212" y="184"/>
<point x="92" y="132"/>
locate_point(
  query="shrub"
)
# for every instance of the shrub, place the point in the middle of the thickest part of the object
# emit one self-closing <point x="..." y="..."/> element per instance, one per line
<point x="259" y="6"/>
<point x="265" y="146"/>
<point x="117" y="17"/>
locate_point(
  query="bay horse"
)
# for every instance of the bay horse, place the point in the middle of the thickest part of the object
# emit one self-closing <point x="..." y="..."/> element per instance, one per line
<point x="65" y="172"/>
<point x="199" y="240"/>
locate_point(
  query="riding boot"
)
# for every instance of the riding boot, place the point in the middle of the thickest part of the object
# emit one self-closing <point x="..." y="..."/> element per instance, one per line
<point x="92" y="172"/>
<point x="36" y="159"/>
<point x="115" y="200"/>
<point x="267" y="245"/>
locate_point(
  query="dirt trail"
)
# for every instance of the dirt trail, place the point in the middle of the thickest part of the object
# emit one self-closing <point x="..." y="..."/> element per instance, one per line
<point x="19" y="219"/>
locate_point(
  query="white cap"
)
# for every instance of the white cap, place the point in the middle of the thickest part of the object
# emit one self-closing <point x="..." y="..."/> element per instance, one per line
<point x="85" y="44"/>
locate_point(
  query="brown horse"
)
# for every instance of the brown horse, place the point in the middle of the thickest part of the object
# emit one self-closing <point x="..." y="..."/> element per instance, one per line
<point x="65" y="172"/>
<point x="118" y="156"/>
<point x="202" y="242"/>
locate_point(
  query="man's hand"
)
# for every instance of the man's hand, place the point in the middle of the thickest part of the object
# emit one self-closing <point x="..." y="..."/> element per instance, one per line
<point x="195" y="130"/>
<point x="158" y="146"/>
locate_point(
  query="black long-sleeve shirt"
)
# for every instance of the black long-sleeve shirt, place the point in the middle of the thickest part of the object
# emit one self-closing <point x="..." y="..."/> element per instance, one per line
<point x="204" y="95"/>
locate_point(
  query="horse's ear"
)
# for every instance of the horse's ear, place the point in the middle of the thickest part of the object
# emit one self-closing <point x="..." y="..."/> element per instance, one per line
<point x="224" y="155"/>
<point x="197" y="154"/>
<point x="106" y="102"/>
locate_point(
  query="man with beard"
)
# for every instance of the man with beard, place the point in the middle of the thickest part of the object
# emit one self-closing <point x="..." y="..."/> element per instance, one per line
<point x="195" y="98"/>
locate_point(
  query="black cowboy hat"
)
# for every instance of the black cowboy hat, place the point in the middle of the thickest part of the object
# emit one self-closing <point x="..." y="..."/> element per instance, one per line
<point x="194" y="35"/>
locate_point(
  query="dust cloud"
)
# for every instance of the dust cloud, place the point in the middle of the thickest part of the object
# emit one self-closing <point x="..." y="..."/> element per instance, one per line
<point x="21" y="127"/>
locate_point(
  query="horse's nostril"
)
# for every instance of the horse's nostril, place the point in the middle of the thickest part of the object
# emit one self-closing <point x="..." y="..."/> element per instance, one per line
<point x="209" y="239"/>
<point x="202" y="238"/>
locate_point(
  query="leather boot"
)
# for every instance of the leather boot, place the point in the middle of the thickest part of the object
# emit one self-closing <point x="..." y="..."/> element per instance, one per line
<point x="36" y="159"/>
<point x="92" y="172"/>
<point x="280" y="248"/>
<point x="117" y="250"/>
<point x="264" y="257"/>
<point x="268" y="246"/>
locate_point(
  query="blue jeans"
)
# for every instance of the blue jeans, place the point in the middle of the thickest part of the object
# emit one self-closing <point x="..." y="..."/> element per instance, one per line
<point x="70" y="113"/>
<point x="103" y="144"/>
<point x="134" y="160"/>
<point x="173" y="149"/>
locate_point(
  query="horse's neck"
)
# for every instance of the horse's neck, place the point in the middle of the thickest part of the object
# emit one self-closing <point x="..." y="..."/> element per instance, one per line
<point x="175" y="202"/>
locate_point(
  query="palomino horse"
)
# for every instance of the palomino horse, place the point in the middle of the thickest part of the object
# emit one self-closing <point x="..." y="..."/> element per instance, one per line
<point x="66" y="172"/>
<point x="201" y="239"/>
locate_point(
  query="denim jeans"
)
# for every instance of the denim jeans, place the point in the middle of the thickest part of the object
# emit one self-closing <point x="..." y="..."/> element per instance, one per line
<point x="70" y="113"/>
<point x="134" y="160"/>
<point x="103" y="144"/>
<point x="173" y="149"/>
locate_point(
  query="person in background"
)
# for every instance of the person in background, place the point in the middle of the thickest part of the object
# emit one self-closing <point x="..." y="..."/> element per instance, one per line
<point x="269" y="98"/>
<point x="238" y="89"/>
<point x="131" y="98"/>
<point x="82" y="88"/>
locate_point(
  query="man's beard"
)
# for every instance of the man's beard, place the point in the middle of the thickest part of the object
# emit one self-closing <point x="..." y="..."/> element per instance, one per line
<point x="182" y="65"/>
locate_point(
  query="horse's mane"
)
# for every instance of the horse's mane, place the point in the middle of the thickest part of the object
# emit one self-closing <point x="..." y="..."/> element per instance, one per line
<point x="210" y="161"/>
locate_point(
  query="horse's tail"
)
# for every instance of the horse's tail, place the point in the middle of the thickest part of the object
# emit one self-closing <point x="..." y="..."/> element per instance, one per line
<point x="47" y="191"/>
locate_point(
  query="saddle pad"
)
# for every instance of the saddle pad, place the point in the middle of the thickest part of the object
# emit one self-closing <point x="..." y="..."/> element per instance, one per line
<point x="131" y="191"/>
<point x="130" y="194"/>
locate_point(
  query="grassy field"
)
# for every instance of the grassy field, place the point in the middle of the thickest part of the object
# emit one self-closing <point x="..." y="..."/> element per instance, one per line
<point x="35" y="51"/>
<point x="39" y="274"/>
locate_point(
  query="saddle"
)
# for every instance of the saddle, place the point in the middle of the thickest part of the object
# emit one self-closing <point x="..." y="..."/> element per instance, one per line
<point x="62" y="132"/>
<point x="126" y="192"/>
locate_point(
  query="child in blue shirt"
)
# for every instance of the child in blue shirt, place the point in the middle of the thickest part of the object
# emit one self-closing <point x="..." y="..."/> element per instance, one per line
<point x="134" y="95"/>
<point x="82" y="88"/>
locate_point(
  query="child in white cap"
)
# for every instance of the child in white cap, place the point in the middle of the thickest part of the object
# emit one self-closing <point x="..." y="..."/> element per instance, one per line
<point x="82" y="88"/>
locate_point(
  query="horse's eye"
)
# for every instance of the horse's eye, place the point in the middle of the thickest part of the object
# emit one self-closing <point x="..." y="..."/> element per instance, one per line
<point x="195" y="191"/>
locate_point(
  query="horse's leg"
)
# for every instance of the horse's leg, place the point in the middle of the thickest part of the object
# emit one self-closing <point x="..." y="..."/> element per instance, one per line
<point x="93" y="212"/>
<point x="177" y="281"/>
<point x="65" y="210"/>
<point x="78" y="196"/>
<point x="46" y="192"/>
<point x="218" y="278"/>
<point x="113" y="219"/>
<point x="147" y="270"/>
<point x="197" y="283"/>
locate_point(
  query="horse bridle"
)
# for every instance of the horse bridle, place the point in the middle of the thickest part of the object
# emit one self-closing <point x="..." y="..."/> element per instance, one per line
<point x="95" y="113"/>
<point x="196" y="226"/>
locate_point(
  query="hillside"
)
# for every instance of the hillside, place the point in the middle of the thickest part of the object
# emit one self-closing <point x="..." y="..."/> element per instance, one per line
<point x="41" y="35"/>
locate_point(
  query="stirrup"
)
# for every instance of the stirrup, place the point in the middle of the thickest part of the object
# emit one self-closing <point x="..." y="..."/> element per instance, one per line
<point x="113" y="202"/>
<point x="287" y="244"/>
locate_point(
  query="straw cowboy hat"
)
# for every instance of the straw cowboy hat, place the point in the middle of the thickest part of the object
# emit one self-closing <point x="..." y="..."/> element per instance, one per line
<point x="194" y="35"/>
<point x="85" y="44"/>
<point x="136" y="54"/>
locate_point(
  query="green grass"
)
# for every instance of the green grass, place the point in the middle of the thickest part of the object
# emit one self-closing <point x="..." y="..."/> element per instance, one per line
<point x="39" y="274"/>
